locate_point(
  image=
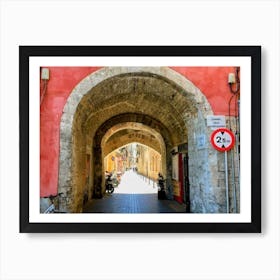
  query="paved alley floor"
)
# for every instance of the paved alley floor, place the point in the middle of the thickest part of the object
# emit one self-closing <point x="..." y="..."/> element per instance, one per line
<point x="135" y="194"/>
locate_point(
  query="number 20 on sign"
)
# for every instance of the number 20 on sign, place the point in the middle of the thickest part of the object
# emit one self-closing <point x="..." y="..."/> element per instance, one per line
<point x="222" y="139"/>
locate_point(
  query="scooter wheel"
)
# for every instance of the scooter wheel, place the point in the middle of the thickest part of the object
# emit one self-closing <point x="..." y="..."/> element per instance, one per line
<point x="111" y="190"/>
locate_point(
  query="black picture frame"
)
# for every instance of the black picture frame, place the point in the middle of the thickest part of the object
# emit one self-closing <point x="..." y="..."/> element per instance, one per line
<point x="254" y="52"/>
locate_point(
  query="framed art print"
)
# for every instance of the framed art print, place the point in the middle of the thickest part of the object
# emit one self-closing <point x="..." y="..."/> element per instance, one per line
<point x="140" y="139"/>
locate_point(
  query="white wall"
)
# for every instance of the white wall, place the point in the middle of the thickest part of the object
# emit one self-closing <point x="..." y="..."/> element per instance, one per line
<point x="139" y="256"/>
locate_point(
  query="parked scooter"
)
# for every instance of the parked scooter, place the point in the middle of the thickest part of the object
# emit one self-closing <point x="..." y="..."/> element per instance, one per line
<point x="161" y="191"/>
<point x="109" y="183"/>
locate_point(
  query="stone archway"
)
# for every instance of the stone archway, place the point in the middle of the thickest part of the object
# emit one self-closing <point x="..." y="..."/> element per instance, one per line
<point x="158" y="97"/>
<point x="123" y="134"/>
<point x="125" y="137"/>
<point x="149" y="136"/>
<point x="147" y="123"/>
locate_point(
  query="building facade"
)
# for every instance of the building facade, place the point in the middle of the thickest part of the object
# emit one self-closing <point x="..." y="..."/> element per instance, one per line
<point x="88" y="112"/>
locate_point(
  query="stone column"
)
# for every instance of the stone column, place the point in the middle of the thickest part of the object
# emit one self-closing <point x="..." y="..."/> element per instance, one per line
<point x="97" y="180"/>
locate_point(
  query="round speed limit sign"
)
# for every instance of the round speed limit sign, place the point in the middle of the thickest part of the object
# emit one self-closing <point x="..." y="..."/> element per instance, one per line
<point x="222" y="139"/>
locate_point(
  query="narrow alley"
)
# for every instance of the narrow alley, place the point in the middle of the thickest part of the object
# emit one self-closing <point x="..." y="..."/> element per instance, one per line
<point x="134" y="194"/>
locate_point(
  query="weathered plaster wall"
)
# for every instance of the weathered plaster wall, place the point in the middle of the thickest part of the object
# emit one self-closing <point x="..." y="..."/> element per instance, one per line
<point x="62" y="81"/>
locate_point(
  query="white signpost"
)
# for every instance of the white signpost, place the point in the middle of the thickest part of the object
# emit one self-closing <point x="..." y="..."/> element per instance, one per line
<point x="222" y="140"/>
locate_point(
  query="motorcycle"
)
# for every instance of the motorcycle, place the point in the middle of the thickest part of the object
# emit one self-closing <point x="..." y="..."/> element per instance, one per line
<point x="109" y="184"/>
<point x="161" y="191"/>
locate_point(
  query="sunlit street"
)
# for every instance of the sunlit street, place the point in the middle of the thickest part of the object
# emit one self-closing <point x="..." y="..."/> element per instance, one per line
<point x="132" y="183"/>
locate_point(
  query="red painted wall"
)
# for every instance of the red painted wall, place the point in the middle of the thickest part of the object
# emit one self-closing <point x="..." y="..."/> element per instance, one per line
<point x="212" y="81"/>
<point x="62" y="81"/>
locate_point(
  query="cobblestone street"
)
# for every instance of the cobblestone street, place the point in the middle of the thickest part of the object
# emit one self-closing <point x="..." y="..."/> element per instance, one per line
<point x="135" y="194"/>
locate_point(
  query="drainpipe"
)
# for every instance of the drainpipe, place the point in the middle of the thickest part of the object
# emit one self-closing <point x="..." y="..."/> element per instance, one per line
<point x="233" y="78"/>
<point x="237" y="150"/>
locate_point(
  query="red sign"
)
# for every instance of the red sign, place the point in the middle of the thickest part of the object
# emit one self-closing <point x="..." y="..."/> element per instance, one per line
<point x="222" y="139"/>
